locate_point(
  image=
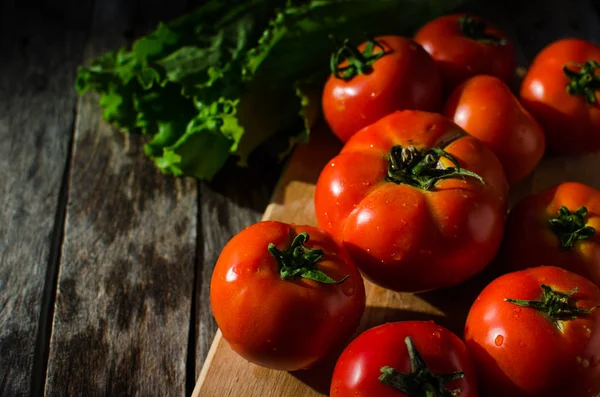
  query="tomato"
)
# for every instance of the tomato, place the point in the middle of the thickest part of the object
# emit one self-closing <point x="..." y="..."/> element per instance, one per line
<point x="486" y="108"/>
<point x="285" y="296"/>
<point x="465" y="46"/>
<point x="380" y="357"/>
<point x="536" y="332"/>
<point x="383" y="75"/>
<point x="557" y="227"/>
<point x="562" y="89"/>
<point x="418" y="203"/>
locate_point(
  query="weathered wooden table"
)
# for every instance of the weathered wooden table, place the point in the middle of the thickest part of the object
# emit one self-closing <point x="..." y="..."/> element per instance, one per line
<point x="104" y="262"/>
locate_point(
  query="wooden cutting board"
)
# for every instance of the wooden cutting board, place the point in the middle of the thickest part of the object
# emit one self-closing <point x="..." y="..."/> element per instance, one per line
<point x="227" y="374"/>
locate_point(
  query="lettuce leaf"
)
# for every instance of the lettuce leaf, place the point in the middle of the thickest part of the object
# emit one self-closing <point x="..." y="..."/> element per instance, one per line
<point x="232" y="76"/>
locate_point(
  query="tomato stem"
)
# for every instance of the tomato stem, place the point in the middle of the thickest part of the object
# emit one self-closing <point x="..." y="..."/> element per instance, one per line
<point x="358" y="62"/>
<point x="300" y="261"/>
<point x="584" y="82"/>
<point x="571" y="227"/>
<point x="555" y="305"/>
<point x="423" y="168"/>
<point x="475" y="29"/>
<point x="421" y="381"/>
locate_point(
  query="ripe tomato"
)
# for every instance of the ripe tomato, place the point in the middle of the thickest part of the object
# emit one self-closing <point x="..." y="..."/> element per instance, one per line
<point x="285" y="296"/>
<point x="465" y="46"/>
<point x="486" y="108"/>
<point x="404" y="359"/>
<point x="383" y="75"/>
<point x="536" y="332"/>
<point x="562" y="89"/>
<point x="418" y="203"/>
<point x="556" y="227"/>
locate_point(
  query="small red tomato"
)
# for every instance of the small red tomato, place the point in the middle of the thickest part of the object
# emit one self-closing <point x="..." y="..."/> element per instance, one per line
<point x="383" y="75"/>
<point x="410" y="358"/>
<point x="418" y="203"/>
<point x="285" y="296"/>
<point x="561" y="90"/>
<point x="556" y="227"/>
<point x="486" y="108"/>
<point x="467" y="45"/>
<point x="536" y="333"/>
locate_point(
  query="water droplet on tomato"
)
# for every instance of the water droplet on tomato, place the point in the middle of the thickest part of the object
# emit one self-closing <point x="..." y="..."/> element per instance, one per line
<point x="348" y="288"/>
<point x="578" y="359"/>
<point x="585" y="363"/>
<point x="499" y="340"/>
<point x="436" y="334"/>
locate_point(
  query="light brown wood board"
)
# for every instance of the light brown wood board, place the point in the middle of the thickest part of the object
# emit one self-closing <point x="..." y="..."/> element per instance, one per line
<point x="226" y="374"/>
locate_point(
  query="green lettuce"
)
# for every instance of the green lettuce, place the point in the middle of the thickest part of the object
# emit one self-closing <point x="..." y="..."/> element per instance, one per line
<point x="231" y="76"/>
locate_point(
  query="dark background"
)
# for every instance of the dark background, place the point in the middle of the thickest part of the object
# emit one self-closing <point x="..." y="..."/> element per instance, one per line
<point x="104" y="262"/>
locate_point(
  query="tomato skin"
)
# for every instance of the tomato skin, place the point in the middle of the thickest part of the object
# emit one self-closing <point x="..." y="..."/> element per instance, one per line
<point x="404" y="238"/>
<point x="571" y="124"/>
<point x="405" y="78"/>
<point x="284" y="324"/>
<point x="460" y="57"/>
<point x="529" y="240"/>
<point x="485" y="107"/>
<point x="519" y="352"/>
<point x="358" y="368"/>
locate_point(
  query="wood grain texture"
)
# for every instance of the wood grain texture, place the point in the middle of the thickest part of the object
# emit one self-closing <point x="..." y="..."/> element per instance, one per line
<point x="39" y="54"/>
<point x="227" y="374"/>
<point x="124" y="292"/>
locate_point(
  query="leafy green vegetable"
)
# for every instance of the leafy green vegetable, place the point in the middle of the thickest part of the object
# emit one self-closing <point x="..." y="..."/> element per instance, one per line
<point x="233" y="75"/>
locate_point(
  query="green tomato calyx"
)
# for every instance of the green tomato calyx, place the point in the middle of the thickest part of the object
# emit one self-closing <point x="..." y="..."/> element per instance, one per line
<point x="300" y="261"/>
<point x="358" y="62"/>
<point x="555" y="305"/>
<point x="423" y="168"/>
<point x="474" y="28"/>
<point x="421" y="381"/>
<point x="571" y="227"/>
<point x="584" y="82"/>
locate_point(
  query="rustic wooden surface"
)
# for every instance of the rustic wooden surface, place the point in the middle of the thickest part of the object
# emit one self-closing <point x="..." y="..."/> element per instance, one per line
<point x="105" y="263"/>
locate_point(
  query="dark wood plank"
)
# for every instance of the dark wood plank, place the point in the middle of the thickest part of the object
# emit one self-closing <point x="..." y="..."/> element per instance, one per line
<point x="123" y="303"/>
<point x="39" y="54"/>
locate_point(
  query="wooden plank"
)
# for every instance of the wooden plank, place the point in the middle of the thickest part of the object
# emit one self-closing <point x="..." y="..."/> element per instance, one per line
<point x="37" y="66"/>
<point x="123" y="301"/>
<point x="227" y="374"/>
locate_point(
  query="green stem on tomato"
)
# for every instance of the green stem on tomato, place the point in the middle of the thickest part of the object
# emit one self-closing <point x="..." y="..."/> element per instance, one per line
<point x="570" y="227"/>
<point x="358" y="62"/>
<point x="474" y="29"/>
<point x="556" y="306"/>
<point x="300" y="261"/>
<point x="421" y="381"/>
<point x="422" y="168"/>
<point x="584" y="82"/>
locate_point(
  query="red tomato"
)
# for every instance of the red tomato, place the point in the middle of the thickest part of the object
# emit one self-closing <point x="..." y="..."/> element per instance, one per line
<point x="381" y="357"/>
<point x="543" y="341"/>
<point x="562" y="89"/>
<point x="486" y="108"/>
<point x="467" y="45"/>
<point x="286" y="306"/>
<point x="387" y="74"/>
<point x="556" y="227"/>
<point x="418" y="203"/>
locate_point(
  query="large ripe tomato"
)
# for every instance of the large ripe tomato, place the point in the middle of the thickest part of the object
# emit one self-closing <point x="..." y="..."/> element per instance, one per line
<point x="405" y="359"/>
<point x="562" y="91"/>
<point x="465" y="46"/>
<point x="536" y="333"/>
<point x="486" y="108"/>
<point x="285" y="296"/>
<point x="383" y="75"/>
<point x="418" y="203"/>
<point x="556" y="227"/>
